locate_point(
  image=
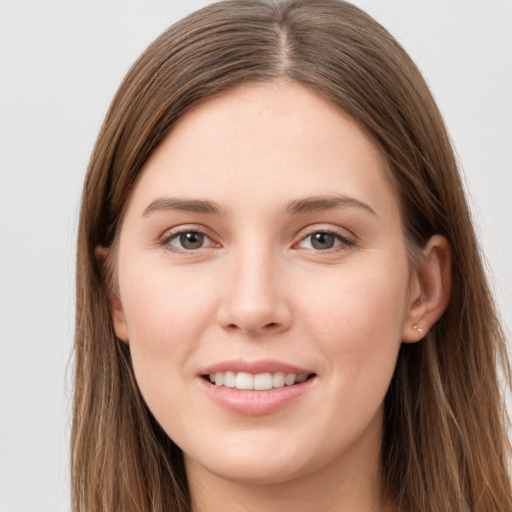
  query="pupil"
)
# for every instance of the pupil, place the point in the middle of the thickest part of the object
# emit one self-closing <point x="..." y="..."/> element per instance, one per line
<point x="322" y="241"/>
<point x="191" y="240"/>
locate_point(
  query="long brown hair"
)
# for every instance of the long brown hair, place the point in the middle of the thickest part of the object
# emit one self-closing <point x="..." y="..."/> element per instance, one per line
<point x="445" y="445"/>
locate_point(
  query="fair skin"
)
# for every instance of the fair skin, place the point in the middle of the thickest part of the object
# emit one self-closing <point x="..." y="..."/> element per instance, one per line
<point x="264" y="234"/>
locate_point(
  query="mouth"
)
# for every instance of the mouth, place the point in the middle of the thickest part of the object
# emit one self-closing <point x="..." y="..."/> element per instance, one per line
<point x="257" y="382"/>
<point x="254" y="388"/>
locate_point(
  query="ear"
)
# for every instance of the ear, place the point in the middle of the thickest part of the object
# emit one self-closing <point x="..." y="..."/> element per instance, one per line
<point x="430" y="289"/>
<point x="116" y="308"/>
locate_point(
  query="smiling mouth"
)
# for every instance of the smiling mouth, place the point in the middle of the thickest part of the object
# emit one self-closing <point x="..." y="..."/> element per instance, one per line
<point x="257" y="382"/>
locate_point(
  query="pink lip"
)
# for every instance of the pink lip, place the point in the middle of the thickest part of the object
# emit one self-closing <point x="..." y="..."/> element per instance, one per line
<point x="254" y="367"/>
<point x="254" y="403"/>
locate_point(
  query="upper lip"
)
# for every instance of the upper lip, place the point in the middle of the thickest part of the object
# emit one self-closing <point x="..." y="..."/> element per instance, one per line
<point x="254" y="367"/>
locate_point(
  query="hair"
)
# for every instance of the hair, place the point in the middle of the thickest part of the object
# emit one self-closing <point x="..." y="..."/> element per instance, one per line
<point x="445" y="444"/>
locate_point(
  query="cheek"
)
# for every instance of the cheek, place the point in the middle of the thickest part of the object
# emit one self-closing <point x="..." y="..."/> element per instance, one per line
<point x="162" y="306"/>
<point x="357" y="317"/>
<point x="167" y="316"/>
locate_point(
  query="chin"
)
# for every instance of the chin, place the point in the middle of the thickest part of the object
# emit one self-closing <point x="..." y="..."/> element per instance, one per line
<point x="258" y="473"/>
<point x="256" y="463"/>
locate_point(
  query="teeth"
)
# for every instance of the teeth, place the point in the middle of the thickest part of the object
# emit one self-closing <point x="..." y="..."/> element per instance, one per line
<point x="290" y="379"/>
<point x="278" y="379"/>
<point x="243" y="381"/>
<point x="263" y="381"/>
<point x="258" y="382"/>
<point x="229" y="379"/>
<point x="301" y="378"/>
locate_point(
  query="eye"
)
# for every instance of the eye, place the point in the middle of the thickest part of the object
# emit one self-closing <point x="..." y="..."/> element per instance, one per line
<point x="324" y="240"/>
<point x="188" y="241"/>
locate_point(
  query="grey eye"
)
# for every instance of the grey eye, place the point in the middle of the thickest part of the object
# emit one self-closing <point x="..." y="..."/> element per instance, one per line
<point x="191" y="240"/>
<point x="321" y="241"/>
<point x="324" y="241"/>
<point x="188" y="241"/>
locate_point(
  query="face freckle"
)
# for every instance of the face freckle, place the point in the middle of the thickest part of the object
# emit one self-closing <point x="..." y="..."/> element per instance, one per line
<point x="263" y="234"/>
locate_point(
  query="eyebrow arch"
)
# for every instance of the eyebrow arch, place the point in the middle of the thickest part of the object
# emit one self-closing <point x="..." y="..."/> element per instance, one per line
<point x="316" y="203"/>
<point x="188" y="205"/>
<point x="297" y="206"/>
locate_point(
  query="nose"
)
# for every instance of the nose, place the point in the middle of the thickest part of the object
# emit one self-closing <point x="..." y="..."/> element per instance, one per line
<point x="254" y="298"/>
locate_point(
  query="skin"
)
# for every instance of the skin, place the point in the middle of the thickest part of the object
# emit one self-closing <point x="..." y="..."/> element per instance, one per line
<point x="257" y="289"/>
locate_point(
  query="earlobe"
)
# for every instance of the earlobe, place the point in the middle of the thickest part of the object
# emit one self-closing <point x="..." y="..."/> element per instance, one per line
<point x="116" y="307"/>
<point x="430" y="289"/>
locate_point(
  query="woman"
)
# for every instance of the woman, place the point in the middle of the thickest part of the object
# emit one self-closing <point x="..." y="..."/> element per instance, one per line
<point x="280" y="299"/>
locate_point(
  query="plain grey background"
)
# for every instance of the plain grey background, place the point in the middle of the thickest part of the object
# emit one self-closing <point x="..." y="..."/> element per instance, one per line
<point x="60" y="64"/>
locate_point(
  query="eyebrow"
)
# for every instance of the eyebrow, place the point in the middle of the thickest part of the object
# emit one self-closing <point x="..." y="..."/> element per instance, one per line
<point x="187" y="205"/>
<point x="294" y="207"/>
<point x="318" y="203"/>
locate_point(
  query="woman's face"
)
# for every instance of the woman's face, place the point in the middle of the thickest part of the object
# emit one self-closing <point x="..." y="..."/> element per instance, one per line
<point x="264" y="239"/>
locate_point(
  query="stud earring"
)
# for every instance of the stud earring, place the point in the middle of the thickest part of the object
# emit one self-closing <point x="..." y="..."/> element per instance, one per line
<point x="418" y="329"/>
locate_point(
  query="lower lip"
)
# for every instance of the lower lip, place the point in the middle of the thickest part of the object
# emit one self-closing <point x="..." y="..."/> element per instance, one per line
<point x="254" y="403"/>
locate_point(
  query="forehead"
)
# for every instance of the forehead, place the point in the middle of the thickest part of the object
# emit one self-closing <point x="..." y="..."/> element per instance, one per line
<point x="266" y="142"/>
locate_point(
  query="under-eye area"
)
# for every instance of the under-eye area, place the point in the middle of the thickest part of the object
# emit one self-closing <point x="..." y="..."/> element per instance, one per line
<point x="257" y="382"/>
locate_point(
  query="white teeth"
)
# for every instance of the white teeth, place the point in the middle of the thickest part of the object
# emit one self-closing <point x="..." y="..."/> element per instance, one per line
<point x="263" y="381"/>
<point x="258" y="382"/>
<point x="243" y="380"/>
<point x="278" y="379"/>
<point x="290" y="379"/>
<point x="229" y="379"/>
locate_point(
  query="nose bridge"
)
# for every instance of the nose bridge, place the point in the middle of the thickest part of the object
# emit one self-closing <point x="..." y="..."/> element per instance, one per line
<point x="253" y="272"/>
<point x="253" y="299"/>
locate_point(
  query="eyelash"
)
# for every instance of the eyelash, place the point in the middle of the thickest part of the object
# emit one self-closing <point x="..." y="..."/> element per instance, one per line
<point x="341" y="240"/>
